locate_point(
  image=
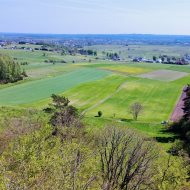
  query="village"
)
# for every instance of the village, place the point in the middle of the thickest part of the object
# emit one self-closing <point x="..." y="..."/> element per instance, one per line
<point x="164" y="59"/>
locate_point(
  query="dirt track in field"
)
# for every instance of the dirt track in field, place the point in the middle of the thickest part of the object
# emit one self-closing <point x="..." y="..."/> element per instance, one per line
<point x="178" y="111"/>
<point x="105" y="99"/>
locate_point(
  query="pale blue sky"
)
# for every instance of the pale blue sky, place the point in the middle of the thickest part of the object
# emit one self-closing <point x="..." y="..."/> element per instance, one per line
<point x="95" y="16"/>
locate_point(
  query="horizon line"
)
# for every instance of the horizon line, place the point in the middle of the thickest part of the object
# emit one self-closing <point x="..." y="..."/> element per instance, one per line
<point x="153" y="34"/>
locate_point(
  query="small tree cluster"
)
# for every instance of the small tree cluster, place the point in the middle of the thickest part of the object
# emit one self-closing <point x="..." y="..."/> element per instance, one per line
<point x="186" y="107"/>
<point x="10" y="71"/>
<point x="112" y="55"/>
<point x="63" y="114"/>
<point x="87" y="52"/>
<point x="182" y="127"/>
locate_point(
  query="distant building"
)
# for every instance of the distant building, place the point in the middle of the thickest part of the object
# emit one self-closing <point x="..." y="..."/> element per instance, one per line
<point x="159" y="61"/>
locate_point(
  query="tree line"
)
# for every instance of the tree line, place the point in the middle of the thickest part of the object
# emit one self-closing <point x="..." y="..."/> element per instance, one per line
<point x="10" y="71"/>
<point x="182" y="127"/>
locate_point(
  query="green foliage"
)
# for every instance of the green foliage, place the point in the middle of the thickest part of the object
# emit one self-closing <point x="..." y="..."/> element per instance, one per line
<point x="182" y="127"/>
<point x="100" y="113"/>
<point x="10" y="71"/>
<point x="24" y="73"/>
<point x="154" y="58"/>
<point x="42" y="161"/>
<point x="62" y="114"/>
<point x="172" y="173"/>
<point x="186" y="108"/>
<point x="38" y="161"/>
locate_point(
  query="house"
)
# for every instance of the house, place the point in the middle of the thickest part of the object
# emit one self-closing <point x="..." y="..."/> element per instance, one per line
<point x="159" y="61"/>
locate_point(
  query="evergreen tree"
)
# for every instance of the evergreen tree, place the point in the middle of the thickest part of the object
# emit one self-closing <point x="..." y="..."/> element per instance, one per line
<point x="62" y="114"/>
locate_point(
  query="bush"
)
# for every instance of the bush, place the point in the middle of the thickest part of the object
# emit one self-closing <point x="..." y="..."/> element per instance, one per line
<point x="100" y="113"/>
<point x="24" y="73"/>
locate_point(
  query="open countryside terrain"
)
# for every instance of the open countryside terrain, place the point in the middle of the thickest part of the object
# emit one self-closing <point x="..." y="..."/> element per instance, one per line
<point x="36" y="139"/>
<point x="101" y="85"/>
<point x="110" y="87"/>
<point x="34" y="91"/>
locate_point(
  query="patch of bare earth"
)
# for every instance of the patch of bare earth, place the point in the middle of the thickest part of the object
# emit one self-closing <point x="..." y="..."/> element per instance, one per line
<point x="164" y="75"/>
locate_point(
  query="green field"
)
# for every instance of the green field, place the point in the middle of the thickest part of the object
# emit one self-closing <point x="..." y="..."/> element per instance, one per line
<point x="114" y="95"/>
<point x="158" y="98"/>
<point x="88" y="95"/>
<point x="34" y="91"/>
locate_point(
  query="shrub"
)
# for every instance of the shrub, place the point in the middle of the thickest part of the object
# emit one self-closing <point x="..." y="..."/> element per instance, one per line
<point x="100" y="113"/>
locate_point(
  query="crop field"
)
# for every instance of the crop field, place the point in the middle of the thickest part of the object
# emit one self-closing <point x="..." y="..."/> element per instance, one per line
<point x="114" y="97"/>
<point x="157" y="97"/>
<point x="101" y="85"/>
<point x="37" y="90"/>
<point x="127" y="70"/>
<point x="164" y="75"/>
<point x="90" y="94"/>
<point x="37" y="57"/>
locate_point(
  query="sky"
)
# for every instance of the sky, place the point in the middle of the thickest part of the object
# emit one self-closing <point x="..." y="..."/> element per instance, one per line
<point x="95" y="16"/>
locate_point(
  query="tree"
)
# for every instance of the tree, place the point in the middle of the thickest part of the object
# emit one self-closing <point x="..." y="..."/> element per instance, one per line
<point x="186" y="108"/>
<point x="10" y="71"/>
<point x="154" y="58"/>
<point x="38" y="161"/>
<point x="126" y="161"/>
<point x="90" y="52"/>
<point x="62" y="114"/>
<point x="168" y="59"/>
<point x="163" y="59"/>
<point x="24" y="73"/>
<point x="100" y="113"/>
<point x="135" y="109"/>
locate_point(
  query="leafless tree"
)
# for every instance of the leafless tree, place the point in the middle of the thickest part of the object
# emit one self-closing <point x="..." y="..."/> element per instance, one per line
<point x="135" y="109"/>
<point x="126" y="161"/>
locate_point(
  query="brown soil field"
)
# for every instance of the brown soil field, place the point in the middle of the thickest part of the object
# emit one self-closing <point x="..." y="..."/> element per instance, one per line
<point x="164" y="75"/>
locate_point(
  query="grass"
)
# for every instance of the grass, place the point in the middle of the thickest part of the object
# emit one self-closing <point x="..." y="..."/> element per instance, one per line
<point x="114" y="95"/>
<point x="31" y="92"/>
<point x="126" y="69"/>
<point x="89" y="94"/>
<point x="134" y="68"/>
<point x="158" y="99"/>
